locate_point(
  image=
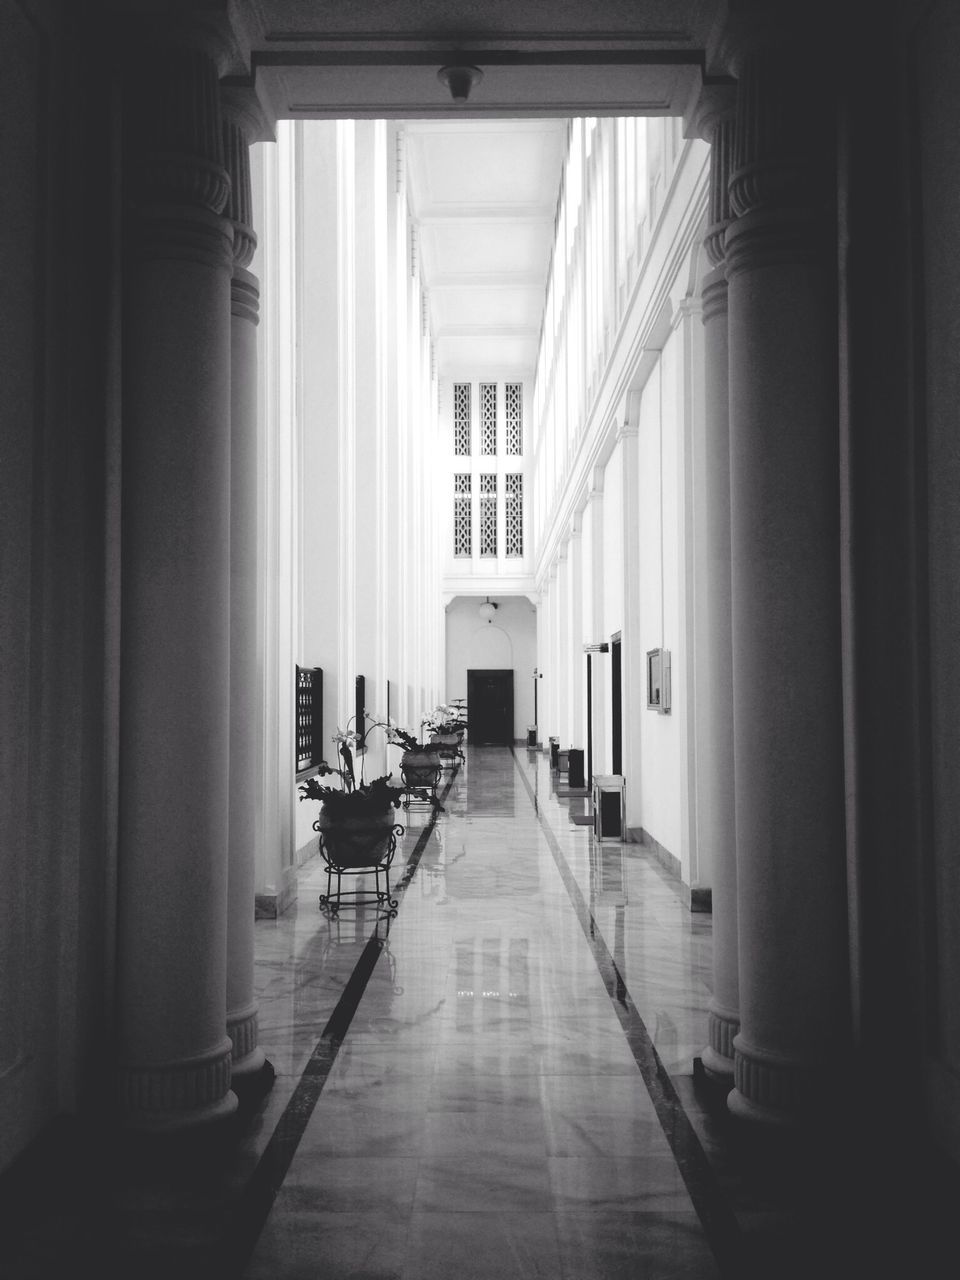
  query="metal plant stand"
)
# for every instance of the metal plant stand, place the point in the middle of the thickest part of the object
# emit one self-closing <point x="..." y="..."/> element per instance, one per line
<point x="355" y="850"/>
<point x="421" y="774"/>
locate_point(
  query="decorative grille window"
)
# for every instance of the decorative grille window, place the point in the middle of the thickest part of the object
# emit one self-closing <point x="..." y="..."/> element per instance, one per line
<point x="461" y="418"/>
<point x="513" y="414"/>
<point x="462" y="542"/>
<point x="488" y="515"/>
<point x="488" y="417"/>
<point x="309" y="716"/>
<point x="513" y="498"/>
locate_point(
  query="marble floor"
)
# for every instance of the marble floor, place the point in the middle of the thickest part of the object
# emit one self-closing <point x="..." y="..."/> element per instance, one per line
<point x="498" y="1081"/>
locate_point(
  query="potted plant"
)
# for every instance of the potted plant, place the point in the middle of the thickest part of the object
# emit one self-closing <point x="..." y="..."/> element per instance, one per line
<point x="356" y="824"/>
<point x="446" y="731"/>
<point x="420" y="763"/>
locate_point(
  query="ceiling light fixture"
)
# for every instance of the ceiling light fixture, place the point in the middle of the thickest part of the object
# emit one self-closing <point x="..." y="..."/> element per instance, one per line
<point x="488" y="610"/>
<point x="460" y="80"/>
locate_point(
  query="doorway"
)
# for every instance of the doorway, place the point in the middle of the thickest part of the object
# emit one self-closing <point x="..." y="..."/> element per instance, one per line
<point x="490" y="706"/>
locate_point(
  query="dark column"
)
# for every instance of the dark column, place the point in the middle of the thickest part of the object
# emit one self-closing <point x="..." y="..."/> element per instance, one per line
<point x="175" y="657"/>
<point x="718" y="826"/>
<point x="250" y="1070"/>
<point x="792" y="1050"/>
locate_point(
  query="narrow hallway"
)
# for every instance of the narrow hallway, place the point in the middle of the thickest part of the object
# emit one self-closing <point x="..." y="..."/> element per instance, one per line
<point x="499" y="1103"/>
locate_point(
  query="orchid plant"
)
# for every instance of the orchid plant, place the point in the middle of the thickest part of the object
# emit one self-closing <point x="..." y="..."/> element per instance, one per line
<point x="353" y="797"/>
<point x="444" y="719"/>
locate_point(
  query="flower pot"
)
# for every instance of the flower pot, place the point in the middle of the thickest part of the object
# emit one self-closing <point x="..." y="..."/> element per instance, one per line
<point x="420" y="768"/>
<point x="356" y="842"/>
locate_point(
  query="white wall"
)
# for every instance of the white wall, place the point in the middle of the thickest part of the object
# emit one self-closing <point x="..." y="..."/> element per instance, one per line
<point x="660" y="589"/>
<point x="362" y="390"/>
<point x="509" y="641"/>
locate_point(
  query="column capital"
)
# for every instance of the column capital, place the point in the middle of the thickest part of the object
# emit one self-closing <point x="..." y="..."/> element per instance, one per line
<point x="178" y="184"/>
<point x="713" y="103"/>
<point x="238" y="124"/>
<point x="782" y="180"/>
<point x="721" y="153"/>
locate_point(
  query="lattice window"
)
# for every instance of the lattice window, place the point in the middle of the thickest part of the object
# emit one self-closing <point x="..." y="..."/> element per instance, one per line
<point x="488" y="515"/>
<point x="309" y="716"/>
<point x="461" y="418"/>
<point x="462" y="527"/>
<point x="513" y="416"/>
<point x="488" y="417"/>
<point x="513" y="500"/>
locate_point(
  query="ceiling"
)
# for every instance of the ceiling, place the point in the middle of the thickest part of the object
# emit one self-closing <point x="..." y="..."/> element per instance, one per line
<point x="482" y="174"/>
<point x="484" y="197"/>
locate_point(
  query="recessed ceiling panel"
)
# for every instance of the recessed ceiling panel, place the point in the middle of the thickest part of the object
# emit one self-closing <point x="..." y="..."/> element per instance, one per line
<point x="509" y="308"/>
<point x="486" y="246"/>
<point x="486" y="356"/>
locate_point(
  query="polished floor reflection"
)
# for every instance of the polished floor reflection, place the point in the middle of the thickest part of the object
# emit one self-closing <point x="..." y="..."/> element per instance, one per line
<point x="497" y="1082"/>
<point x="485" y="1113"/>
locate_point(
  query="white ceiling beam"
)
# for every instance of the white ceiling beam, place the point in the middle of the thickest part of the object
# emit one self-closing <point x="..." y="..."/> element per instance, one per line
<point x="459" y="215"/>
<point x="486" y="331"/>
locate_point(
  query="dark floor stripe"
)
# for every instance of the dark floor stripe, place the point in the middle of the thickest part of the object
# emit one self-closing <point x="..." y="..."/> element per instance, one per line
<point x="719" y="1224"/>
<point x="254" y="1205"/>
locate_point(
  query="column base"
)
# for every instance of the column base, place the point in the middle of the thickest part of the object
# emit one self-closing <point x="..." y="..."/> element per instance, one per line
<point x="718" y="1056"/>
<point x="177" y="1096"/>
<point x="773" y="1090"/>
<point x="719" y="1069"/>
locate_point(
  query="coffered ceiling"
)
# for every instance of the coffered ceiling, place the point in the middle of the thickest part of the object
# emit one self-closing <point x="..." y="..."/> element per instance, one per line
<point x="484" y="196"/>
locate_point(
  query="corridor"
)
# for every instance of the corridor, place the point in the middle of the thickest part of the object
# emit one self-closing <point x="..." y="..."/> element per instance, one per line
<point x="495" y="1083"/>
<point x="486" y="1113"/>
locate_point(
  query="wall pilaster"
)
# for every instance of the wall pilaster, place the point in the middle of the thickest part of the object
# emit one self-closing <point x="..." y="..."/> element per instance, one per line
<point x="717" y="826"/>
<point x="248" y="1061"/>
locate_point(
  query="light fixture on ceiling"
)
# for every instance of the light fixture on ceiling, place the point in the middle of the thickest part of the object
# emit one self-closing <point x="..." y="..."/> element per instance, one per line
<point x="459" y="80"/>
<point x="488" y="610"/>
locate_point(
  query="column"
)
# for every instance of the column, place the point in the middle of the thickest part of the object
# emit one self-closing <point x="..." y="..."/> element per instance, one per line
<point x="578" y="736"/>
<point x="563" y="647"/>
<point x="601" y="662"/>
<point x="714" y="625"/>
<point x="553" y="658"/>
<point x="634" y="664"/>
<point x="174" y="1053"/>
<point x="250" y="1069"/>
<point x="794" y="1037"/>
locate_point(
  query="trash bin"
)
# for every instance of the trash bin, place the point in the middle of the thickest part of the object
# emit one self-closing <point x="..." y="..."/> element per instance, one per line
<point x="608" y="806"/>
<point x="554" y="753"/>
<point x="575" y="768"/>
<point x="531" y="735"/>
<point x="563" y="758"/>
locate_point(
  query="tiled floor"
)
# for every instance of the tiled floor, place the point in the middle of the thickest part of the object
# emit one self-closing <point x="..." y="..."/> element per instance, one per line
<point x="498" y="1082"/>
<point x="485" y="1115"/>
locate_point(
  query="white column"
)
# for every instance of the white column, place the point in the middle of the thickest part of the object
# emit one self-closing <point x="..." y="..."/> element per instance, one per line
<point x="248" y="1062"/>
<point x="633" y="657"/>
<point x="564" y="715"/>
<point x="578" y="736"/>
<point x="793" y="1046"/>
<point x="601" y="662"/>
<point x="175" y="1055"/>
<point x="276" y="260"/>
<point x="717" y="828"/>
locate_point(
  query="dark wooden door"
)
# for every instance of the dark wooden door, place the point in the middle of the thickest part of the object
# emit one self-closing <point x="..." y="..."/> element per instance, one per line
<point x="490" y="706"/>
